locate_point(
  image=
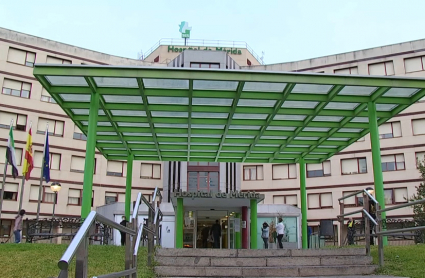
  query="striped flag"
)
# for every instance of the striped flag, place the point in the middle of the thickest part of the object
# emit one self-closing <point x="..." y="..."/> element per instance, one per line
<point x="28" y="162"/>
<point x="10" y="153"/>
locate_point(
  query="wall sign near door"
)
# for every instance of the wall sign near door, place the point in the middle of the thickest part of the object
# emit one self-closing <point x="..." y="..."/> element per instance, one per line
<point x="230" y="195"/>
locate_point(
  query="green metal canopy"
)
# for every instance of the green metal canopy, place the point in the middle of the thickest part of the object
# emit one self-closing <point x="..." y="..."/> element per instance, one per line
<point x="184" y="114"/>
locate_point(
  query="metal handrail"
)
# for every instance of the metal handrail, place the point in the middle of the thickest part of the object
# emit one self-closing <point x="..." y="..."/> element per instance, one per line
<point x="403" y="205"/>
<point x="136" y="207"/>
<point x="370" y="217"/>
<point x="76" y="242"/>
<point x="350" y="213"/>
<point x="358" y="192"/>
<point x="147" y="203"/>
<point x="138" y="239"/>
<point x="386" y="232"/>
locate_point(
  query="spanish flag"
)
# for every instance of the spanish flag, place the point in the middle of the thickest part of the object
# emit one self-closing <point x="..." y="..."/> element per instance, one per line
<point x="28" y="162"/>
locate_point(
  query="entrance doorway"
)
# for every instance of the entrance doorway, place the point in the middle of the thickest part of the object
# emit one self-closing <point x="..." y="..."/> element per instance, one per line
<point x="197" y="235"/>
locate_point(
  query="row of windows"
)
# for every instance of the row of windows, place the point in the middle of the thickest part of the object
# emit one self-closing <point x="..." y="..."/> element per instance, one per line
<point x="325" y="200"/>
<point x="349" y="166"/>
<point x="28" y="58"/>
<point x="413" y="64"/>
<point x="114" y="168"/>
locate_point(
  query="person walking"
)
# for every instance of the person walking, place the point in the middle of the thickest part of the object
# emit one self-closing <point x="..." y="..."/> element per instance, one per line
<point x="350" y="231"/>
<point x="18" y="226"/>
<point x="216" y="233"/>
<point x="265" y="232"/>
<point x="280" y="229"/>
<point x="123" y="223"/>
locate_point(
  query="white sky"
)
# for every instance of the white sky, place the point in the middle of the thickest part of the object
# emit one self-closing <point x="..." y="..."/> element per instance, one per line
<point x="284" y="30"/>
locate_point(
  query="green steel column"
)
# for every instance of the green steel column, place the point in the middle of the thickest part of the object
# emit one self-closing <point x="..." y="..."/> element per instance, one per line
<point x="90" y="152"/>
<point x="128" y="187"/>
<point x="303" y="192"/>
<point x="179" y="223"/>
<point x="253" y="227"/>
<point x="376" y="160"/>
<point x="238" y="238"/>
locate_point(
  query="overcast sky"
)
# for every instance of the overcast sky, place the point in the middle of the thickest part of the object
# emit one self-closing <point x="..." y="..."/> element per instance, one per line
<point x="284" y="30"/>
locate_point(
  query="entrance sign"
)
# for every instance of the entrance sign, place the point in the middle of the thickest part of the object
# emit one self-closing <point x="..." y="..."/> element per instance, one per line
<point x="224" y="195"/>
<point x="234" y="51"/>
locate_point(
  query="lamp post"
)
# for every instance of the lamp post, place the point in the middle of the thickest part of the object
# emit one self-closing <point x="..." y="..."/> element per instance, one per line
<point x="55" y="187"/>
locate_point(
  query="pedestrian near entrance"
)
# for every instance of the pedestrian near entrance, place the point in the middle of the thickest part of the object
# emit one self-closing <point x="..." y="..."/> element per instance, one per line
<point x="123" y="223"/>
<point x="351" y="230"/>
<point x="280" y="229"/>
<point x="18" y="226"/>
<point x="216" y="233"/>
<point x="265" y="232"/>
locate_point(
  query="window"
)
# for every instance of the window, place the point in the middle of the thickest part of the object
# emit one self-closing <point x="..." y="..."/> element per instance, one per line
<point x="48" y="195"/>
<point x="319" y="200"/>
<point x="248" y="62"/>
<point x="55" y="160"/>
<point x="395" y="196"/>
<point x="115" y="168"/>
<point x="16" y="88"/>
<point x="418" y="126"/>
<point x="353" y="201"/>
<point x="55" y="60"/>
<point x="420" y="157"/>
<point x="10" y="191"/>
<point x="21" y="57"/>
<point x="390" y="130"/>
<point x="150" y="171"/>
<point x="34" y="193"/>
<point x="203" y="164"/>
<point x="19" y="120"/>
<point x="5" y="228"/>
<point x="18" y="155"/>
<point x="156" y="60"/>
<point x="78" y="135"/>
<point x="202" y="181"/>
<point x="353" y="166"/>
<point x="78" y="163"/>
<point x="352" y="70"/>
<point x="319" y="170"/>
<point x="362" y="139"/>
<point x="393" y="162"/>
<point x="205" y="65"/>
<point x="286" y="199"/>
<point x="74" y="197"/>
<point x="414" y="64"/>
<point x="111" y="197"/>
<point x="384" y="68"/>
<point x="252" y="173"/>
<point x="55" y="127"/>
<point x="284" y="171"/>
<point x="46" y="97"/>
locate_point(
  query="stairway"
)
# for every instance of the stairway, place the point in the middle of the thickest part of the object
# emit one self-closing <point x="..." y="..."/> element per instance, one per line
<point x="262" y="263"/>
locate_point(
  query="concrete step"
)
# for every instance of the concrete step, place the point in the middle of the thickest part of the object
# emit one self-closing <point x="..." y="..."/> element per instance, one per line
<point x="260" y="253"/>
<point x="351" y="276"/>
<point x="286" y="271"/>
<point x="264" y="261"/>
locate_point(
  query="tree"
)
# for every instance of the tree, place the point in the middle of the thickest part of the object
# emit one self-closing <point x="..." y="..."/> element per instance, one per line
<point x="419" y="210"/>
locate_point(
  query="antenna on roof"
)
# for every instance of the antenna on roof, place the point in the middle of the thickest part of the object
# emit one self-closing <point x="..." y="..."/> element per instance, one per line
<point x="140" y="55"/>
<point x="262" y="57"/>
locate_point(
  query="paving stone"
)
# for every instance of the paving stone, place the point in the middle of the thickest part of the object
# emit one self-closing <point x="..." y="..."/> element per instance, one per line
<point x="336" y="270"/>
<point x="328" y="252"/>
<point x="293" y="261"/>
<point x="166" y="271"/>
<point x="346" y="260"/>
<point x="168" y="252"/>
<point x="248" y="262"/>
<point x="223" y="271"/>
<point x="270" y="272"/>
<point x="184" y="261"/>
<point x="264" y="253"/>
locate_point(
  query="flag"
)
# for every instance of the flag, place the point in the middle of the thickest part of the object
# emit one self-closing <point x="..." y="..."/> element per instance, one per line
<point x="28" y="162"/>
<point x="10" y="153"/>
<point x="46" y="159"/>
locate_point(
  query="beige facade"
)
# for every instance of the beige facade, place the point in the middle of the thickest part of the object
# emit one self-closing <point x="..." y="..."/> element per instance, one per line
<point x="401" y="144"/>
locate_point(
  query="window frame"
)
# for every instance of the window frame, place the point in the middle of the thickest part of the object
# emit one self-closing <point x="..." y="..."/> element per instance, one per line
<point x="358" y="166"/>
<point x="256" y="171"/>
<point x="407" y="58"/>
<point x="116" y="197"/>
<point x="350" y="69"/>
<point x="320" y="201"/>
<point x="395" y="162"/>
<point x="358" y="203"/>
<point x="80" y="199"/>
<point x="20" y="94"/>
<point x="151" y="176"/>
<point x="392" y="131"/>
<point x="26" y="57"/>
<point x="50" y="160"/>
<point x="284" y="199"/>
<point x="208" y="178"/>
<point x="43" y="197"/>
<point x="324" y="175"/>
<point x="82" y="171"/>
<point x="49" y="98"/>
<point x="43" y="132"/>
<point x="1" y="228"/>
<point x="289" y="177"/>
<point x="385" y="67"/>
<point x="15" y="198"/>
<point x="203" y="63"/>
<point x="393" y="202"/>
<point x="122" y="167"/>
<point x="63" y="60"/>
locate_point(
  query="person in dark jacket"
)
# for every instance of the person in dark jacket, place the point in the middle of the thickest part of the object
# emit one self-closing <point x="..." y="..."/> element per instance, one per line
<point x="216" y="233"/>
<point x="124" y="223"/>
<point x="205" y="233"/>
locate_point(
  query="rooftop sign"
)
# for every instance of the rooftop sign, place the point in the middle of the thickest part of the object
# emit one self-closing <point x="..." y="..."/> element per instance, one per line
<point x="185" y="29"/>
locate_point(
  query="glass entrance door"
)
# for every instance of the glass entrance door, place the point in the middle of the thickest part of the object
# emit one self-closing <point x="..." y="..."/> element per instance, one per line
<point x="205" y="220"/>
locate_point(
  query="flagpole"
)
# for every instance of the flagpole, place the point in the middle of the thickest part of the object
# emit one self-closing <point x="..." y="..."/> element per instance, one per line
<point x="23" y="180"/>
<point x="41" y="174"/>
<point x="4" y="178"/>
